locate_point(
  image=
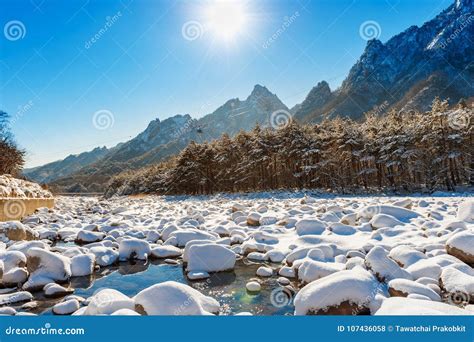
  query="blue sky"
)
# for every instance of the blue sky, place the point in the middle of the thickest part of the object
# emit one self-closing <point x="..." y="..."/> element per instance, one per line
<point x="54" y="78"/>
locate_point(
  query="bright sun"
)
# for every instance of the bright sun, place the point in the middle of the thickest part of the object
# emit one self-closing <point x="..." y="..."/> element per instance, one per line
<point x="226" y="18"/>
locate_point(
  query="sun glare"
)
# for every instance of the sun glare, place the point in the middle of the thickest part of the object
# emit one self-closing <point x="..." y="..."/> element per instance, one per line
<point x="227" y="18"/>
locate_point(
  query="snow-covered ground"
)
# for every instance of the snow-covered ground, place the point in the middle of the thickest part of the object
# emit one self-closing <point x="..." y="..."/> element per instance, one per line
<point x="329" y="255"/>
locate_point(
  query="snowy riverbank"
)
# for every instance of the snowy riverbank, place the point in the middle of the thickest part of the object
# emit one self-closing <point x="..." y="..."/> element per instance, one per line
<point x="336" y="255"/>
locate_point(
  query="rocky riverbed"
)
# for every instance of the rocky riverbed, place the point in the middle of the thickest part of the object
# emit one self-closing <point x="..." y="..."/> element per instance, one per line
<point x="260" y="254"/>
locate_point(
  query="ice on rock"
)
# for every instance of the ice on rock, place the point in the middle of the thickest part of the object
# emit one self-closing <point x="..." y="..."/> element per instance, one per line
<point x="461" y="245"/>
<point x="172" y="298"/>
<point x="384" y="268"/>
<point x="341" y="293"/>
<point x="108" y="301"/>
<point x="404" y="287"/>
<point x="82" y="265"/>
<point x="401" y="306"/>
<point x="66" y="307"/>
<point x="164" y="252"/>
<point x="210" y="257"/>
<point x="134" y="249"/>
<point x="104" y="256"/>
<point x="310" y="227"/>
<point x="46" y="267"/>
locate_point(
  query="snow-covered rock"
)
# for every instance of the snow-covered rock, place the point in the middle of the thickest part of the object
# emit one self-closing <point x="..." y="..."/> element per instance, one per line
<point x="401" y="306"/>
<point x="53" y="290"/>
<point x="164" y="252"/>
<point x="310" y="227"/>
<point x="457" y="284"/>
<point x="466" y="211"/>
<point x="134" y="249"/>
<point x="311" y="270"/>
<point x="67" y="307"/>
<point x="384" y="268"/>
<point x="46" y="267"/>
<point x="85" y="236"/>
<point x="104" y="256"/>
<point x="108" y="301"/>
<point x="82" y="265"/>
<point x="341" y="293"/>
<point x="253" y="286"/>
<point x="461" y="245"/>
<point x="210" y="257"/>
<point x="16" y="297"/>
<point x="172" y="298"/>
<point x="405" y="287"/>
<point x="263" y="271"/>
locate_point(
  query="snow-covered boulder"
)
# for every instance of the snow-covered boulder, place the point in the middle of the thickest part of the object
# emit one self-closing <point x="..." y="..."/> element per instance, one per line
<point x="399" y="213"/>
<point x="14" y="277"/>
<point x="134" y="249"/>
<point x="253" y="219"/>
<point x="311" y="270"/>
<point x="16" y="231"/>
<point x="104" y="256"/>
<point x="82" y="265"/>
<point x="179" y="238"/>
<point x="86" y="236"/>
<point x="401" y="306"/>
<point x="108" y="301"/>
<point x="405" y="287"/>
<point x="384" y="220"/>
<point x="466" y="211"/>
<point x="172" y="298"/>
<point x="253" y="287"/>
<point x="263" y="271"/>
<point x="164" y="252"/>
<point x="341" y="293"/>
<point x="210" y="257"/>
<point x="15" y="297"/>
<point x="384" y="268"/>
<point x="310" y="227"/>
<point x="67" y="307"/>
<point x="424" y="268"/>
<point x="461" y="245"/>
<point x="53" y="290"/>
<point x="406" y="255"/>
<point x="458" y="285"/>
<point x="46" y="267"/>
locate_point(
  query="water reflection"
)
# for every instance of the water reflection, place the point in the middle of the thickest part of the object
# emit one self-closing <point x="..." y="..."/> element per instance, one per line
<point x="227" y="287"/>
